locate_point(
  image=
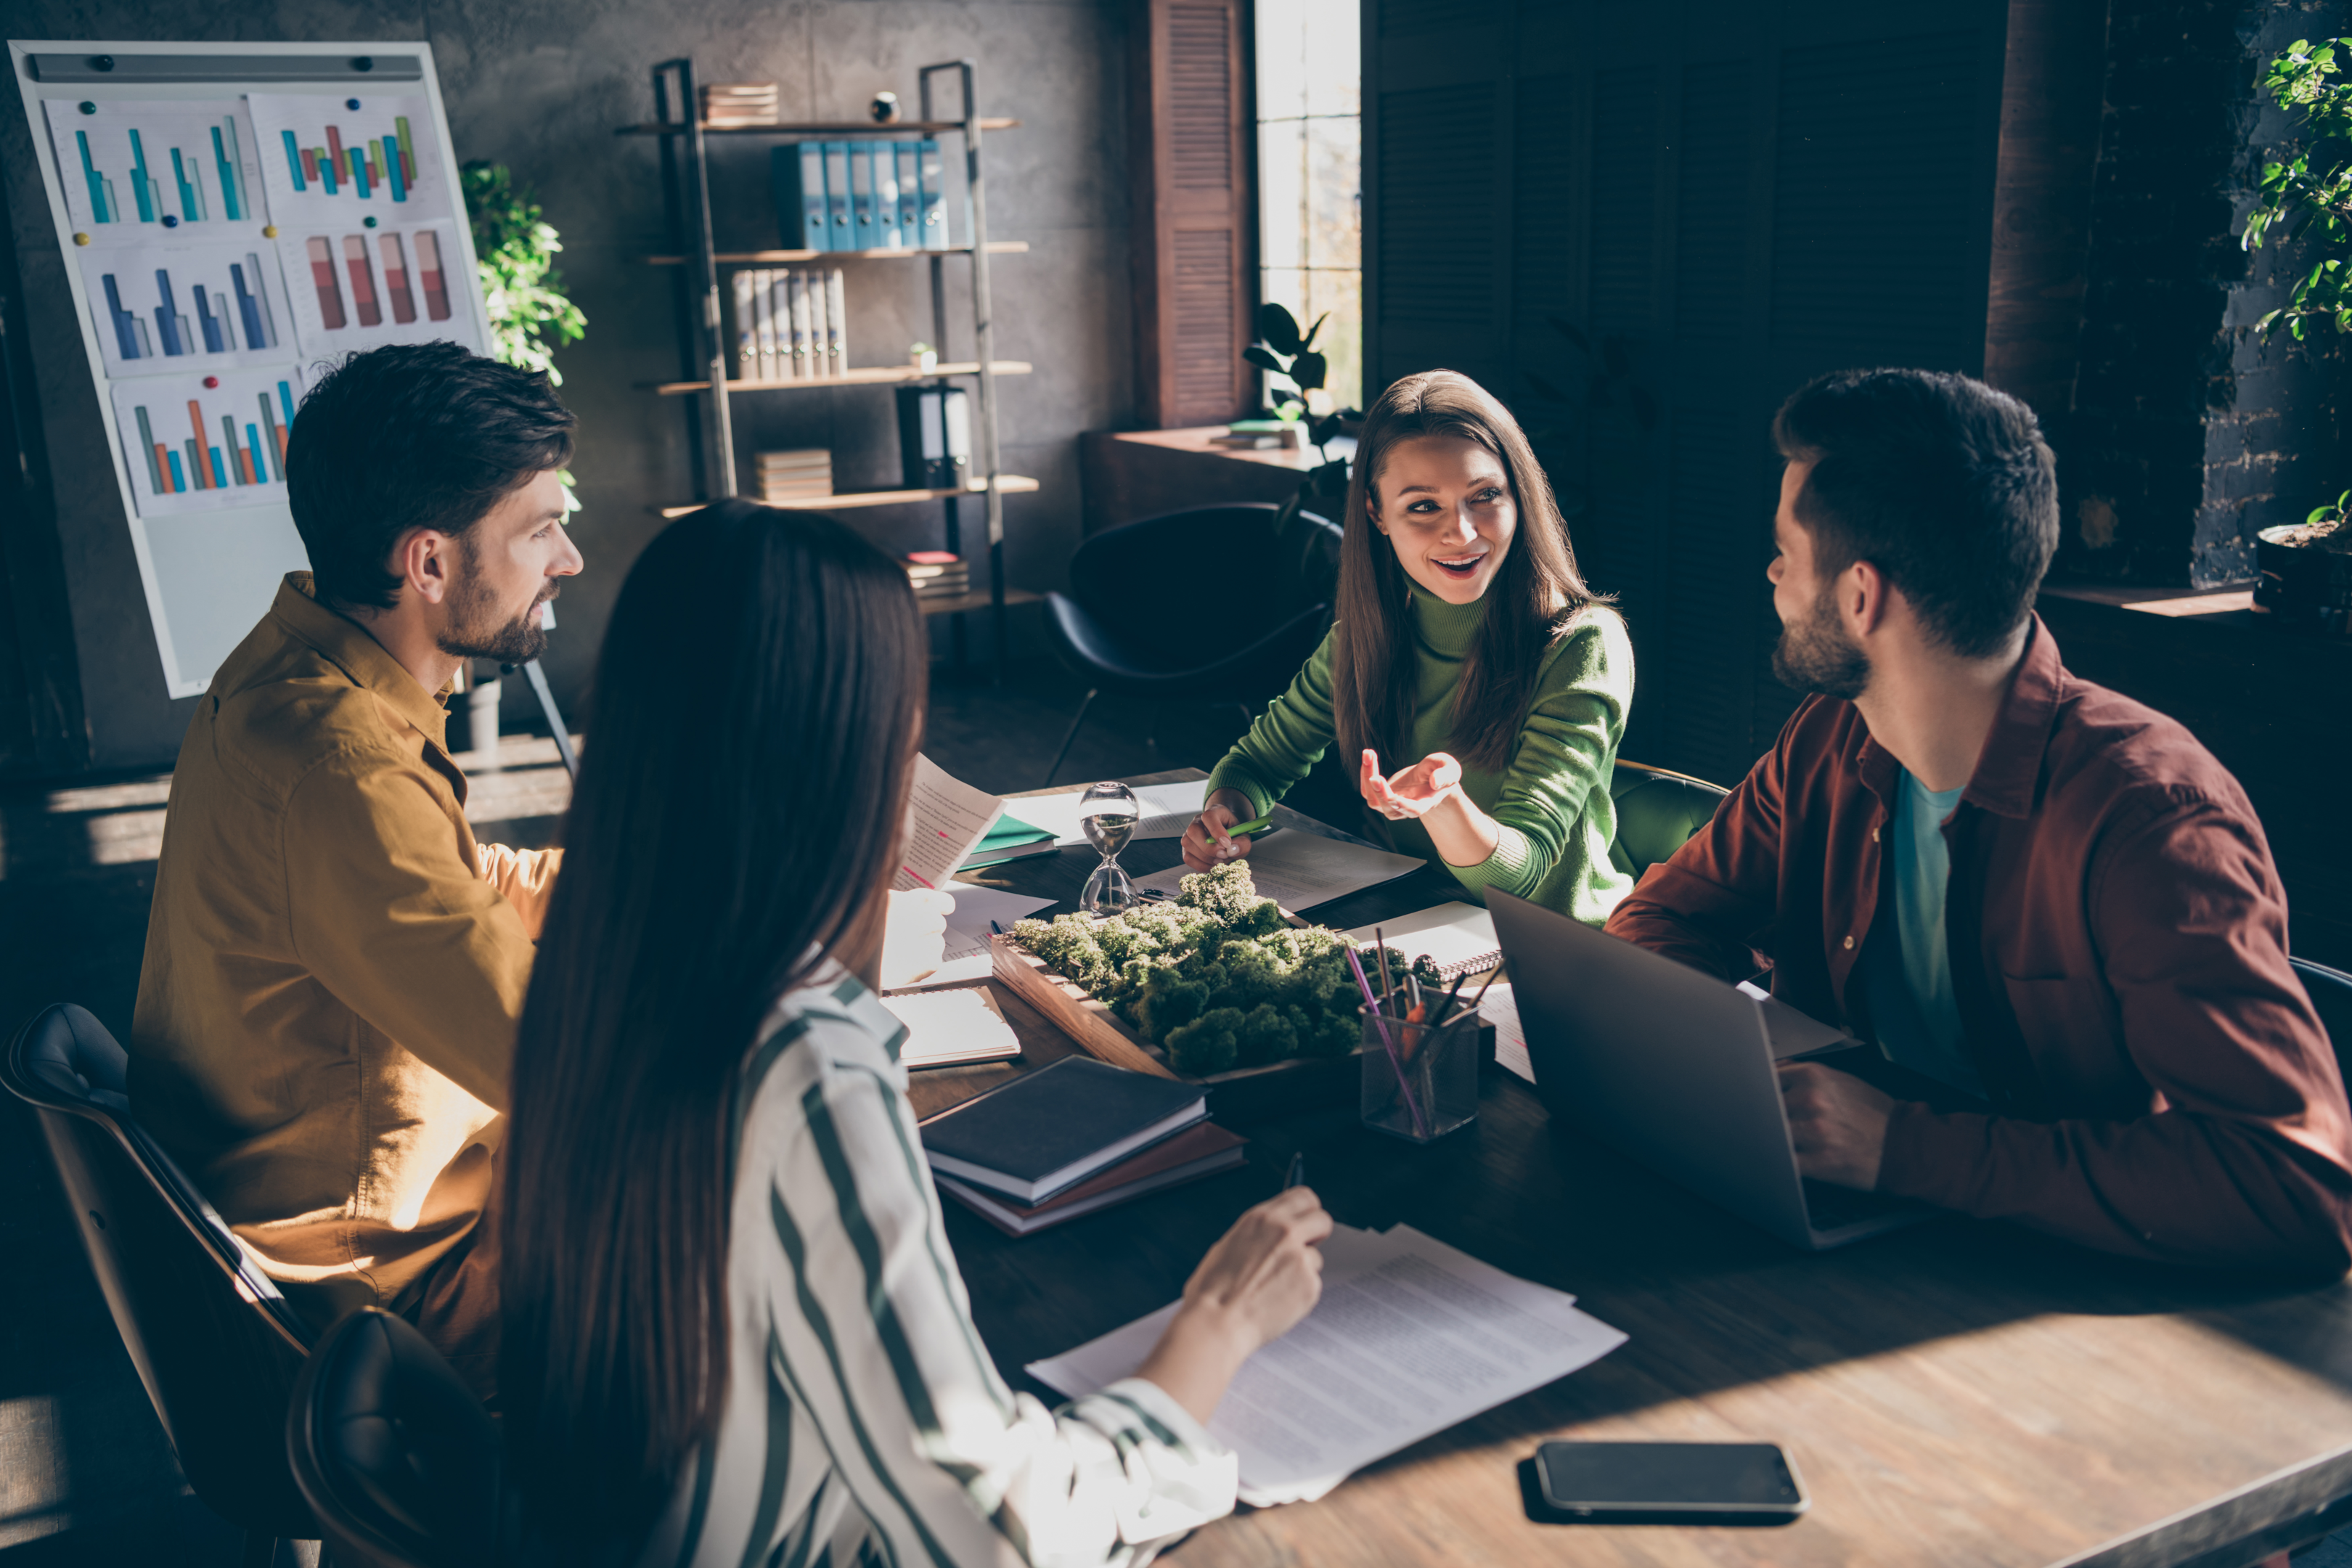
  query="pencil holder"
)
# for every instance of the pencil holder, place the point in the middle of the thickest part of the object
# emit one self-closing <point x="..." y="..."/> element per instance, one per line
<point x="1420" y="1081"/>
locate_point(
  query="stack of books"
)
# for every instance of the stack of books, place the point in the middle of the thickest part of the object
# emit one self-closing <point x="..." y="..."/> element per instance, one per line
<point x="937" y="574"/>
<point x="739" y="103"/>
<point x="805" y="475"/>
<point x="1070" y="1139"/>
<point x="866" y="195"/>
<point x="1010" y="838"/>
<point x="1259" y="434"/>
<point x="790" y="326"/>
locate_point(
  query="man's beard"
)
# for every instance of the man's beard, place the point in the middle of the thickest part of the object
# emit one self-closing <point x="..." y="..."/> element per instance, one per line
<point x="1815" y="655"/>
<point x="475" y="630"/>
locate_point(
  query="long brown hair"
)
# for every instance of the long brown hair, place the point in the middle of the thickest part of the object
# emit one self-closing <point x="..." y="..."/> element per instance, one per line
<point x="757" y="705"/>
<point x="1534" y="592"/>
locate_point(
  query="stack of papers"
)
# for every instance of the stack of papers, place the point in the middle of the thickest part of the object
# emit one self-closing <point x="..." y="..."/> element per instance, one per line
<point x="1165" y="811"/>
<point x="1299" y="870"/>
<point x="1501" y="1009"/>
<point x="947" y="1028"/>
<point x="1410" y="1337"/>
<point x="1458" y="938"/>
<point x="947" y="820"/>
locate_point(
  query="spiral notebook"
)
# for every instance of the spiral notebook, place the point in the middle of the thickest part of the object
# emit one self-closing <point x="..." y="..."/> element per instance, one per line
<point x="1458" y="938"/>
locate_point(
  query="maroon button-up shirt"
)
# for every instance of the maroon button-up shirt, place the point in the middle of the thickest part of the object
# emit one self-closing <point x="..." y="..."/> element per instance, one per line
<point x="2161" y="1086"/>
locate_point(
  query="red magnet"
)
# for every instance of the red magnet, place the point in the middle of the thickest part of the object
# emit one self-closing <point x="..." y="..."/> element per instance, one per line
<point x="212" y="382"/>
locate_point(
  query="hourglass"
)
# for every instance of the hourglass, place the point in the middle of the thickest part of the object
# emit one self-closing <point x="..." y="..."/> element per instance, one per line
<point x="1107" y="813"/>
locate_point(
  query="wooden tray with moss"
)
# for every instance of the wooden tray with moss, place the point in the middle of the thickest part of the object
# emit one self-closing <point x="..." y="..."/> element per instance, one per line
<point x="1218" y="988"/>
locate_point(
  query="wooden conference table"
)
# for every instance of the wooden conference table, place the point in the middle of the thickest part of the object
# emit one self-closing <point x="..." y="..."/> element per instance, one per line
<point x="1957" y="1393"/>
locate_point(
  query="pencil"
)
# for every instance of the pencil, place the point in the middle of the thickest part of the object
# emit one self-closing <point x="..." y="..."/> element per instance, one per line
<point x="1383" y="948"/>
<point x="1259" y="825"/>
<point x="1445" y="1008"/>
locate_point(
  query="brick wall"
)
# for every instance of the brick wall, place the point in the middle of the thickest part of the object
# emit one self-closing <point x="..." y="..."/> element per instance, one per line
<point x="2187" y="435"/>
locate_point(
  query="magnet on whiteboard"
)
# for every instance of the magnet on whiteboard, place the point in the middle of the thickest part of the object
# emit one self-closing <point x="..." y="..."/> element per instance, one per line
<point x="212" y="383"/>
<point x="269" y="231"/>
<point x="81" y="240"/>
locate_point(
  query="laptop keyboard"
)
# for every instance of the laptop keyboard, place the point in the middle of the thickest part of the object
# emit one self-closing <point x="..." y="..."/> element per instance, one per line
<point x="1830" y="1207"/>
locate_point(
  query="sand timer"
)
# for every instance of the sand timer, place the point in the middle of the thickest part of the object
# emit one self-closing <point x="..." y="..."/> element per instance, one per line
<point x="1107" y="813"/>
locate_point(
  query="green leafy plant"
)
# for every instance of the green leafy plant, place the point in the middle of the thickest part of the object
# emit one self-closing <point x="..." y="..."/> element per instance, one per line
<point x="2305" y="190"/>
<point x="1283" y="350"/>
<point x="514" y="250"/>
<point x="1218" y="979"/>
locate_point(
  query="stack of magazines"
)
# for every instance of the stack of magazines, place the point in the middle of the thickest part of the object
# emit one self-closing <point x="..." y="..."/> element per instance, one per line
<point x="937" y="574"/>
<point x="790" y="324"/>
<point x="736" y="104"/>
<point x="798" y="476"/>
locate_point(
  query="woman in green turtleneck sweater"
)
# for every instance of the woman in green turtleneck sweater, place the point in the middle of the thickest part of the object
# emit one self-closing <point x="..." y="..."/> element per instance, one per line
<point x="1467" y="655"/>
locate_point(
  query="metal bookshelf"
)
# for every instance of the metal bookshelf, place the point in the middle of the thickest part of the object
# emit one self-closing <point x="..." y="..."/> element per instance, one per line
<point x="702" y="329"/>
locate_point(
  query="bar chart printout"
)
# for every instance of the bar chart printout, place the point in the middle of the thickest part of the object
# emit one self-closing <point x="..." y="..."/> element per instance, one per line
<point x="357" y="287"/>
<point x="144" y="168"/>
<point x="349" y="156"/>
<point x="207" y="443"/>
<point x="161" y="308"/>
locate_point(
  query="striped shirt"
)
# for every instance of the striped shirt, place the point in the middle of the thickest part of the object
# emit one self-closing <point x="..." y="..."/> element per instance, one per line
<point x="864" y="1421"/>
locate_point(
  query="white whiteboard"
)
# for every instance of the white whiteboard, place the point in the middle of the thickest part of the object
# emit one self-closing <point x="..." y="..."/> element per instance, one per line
<point x="233" y="216"/>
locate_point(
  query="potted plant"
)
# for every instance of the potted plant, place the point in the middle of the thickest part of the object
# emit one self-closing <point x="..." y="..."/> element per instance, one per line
<point x="2307" y="195"/>
<point x="1283" y="350"/>
<point x="514" y="247"/>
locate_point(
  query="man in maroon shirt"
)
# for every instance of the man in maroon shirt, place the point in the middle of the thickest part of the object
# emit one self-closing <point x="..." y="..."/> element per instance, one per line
<point x="2047" y="902"/>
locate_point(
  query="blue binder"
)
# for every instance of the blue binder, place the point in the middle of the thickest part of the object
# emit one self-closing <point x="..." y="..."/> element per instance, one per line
<point x="911" y="195"/>
<point x="838" y="234"/>
<point x="862" y="226"/>
<point x="934" y="198"/>
<point x="889" y="235"/>
<point x="797" y="172"/>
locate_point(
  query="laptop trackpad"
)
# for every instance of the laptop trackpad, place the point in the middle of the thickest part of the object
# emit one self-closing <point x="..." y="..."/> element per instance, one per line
<point x="1795" y="1033"/>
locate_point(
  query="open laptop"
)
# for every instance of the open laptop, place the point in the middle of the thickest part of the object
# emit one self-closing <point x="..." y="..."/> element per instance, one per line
<point x="1676" y="1068"/>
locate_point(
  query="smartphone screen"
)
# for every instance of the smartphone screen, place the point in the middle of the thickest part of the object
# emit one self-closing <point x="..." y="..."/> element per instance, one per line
<point x="1666" y="1476"/>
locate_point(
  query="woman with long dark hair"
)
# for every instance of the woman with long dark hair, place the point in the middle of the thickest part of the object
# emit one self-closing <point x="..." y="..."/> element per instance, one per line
<point x="733" y="1329"/>
<point x="1467" y="652"/>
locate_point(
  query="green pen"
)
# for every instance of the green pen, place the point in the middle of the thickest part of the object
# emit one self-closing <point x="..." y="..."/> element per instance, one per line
<point x="1239" y="828"/>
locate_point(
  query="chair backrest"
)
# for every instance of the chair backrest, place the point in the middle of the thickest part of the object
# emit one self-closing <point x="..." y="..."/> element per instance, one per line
<point x="215" y="1343"/>
<point x="2331" y="998"/>
<point x="397" y="1457"/>
<point x="1657" y="811"/>
<point x="1151" y="574"/>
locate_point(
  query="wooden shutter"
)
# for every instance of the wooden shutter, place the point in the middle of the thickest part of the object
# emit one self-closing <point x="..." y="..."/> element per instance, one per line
<point x="1194" y="256"/>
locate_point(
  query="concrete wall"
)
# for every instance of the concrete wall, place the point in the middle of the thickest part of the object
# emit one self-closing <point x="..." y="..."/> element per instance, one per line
<point x="538" y="85"/>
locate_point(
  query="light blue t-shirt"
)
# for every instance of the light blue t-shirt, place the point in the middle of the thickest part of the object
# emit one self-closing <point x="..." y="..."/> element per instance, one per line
<point x="1910" y="979"/>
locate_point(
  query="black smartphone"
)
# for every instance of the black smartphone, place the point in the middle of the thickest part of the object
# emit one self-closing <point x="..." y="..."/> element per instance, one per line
<point x="1669" y="1483"/>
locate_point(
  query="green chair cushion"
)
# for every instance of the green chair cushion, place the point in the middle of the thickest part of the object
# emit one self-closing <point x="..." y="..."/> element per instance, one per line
<point x="1656" y="815"/>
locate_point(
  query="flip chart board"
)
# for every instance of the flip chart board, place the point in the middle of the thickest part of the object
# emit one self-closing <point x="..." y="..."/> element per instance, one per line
<point x="236" y="217"/>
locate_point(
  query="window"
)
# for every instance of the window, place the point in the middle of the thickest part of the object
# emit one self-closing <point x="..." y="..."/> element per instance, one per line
<point x="1310" y="163"/>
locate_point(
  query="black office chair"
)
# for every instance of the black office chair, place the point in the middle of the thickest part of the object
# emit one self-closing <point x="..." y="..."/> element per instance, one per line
<point x="1205" y="605"/>
<point x="215" y="1343"/>
<point x="2331" y="998"/>
<point x="1657" y="811"/>
<point x="398" y="1460"/>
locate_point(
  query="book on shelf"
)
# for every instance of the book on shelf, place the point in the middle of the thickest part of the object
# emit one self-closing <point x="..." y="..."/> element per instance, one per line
<point x="747" y="342"/>
<point x="1202" y="1150"/>
<point x="796" y="295"/>
<point x="864" y="227"/>
<point x="933" y="183"/>
<point x="1052" y="1128"/>
<point x="797" y="175"/>
<point x="836" y="339"/>
<point x="763" y="317"/>
<point x="931" y="567"/>
<point x="910" y="193"/>
<point x="739" y="103"/>
<point x="837" y="196"/>
<point x="801" y="475"/>
<point x="934" y="437"/>
<point x="887" y="232"/>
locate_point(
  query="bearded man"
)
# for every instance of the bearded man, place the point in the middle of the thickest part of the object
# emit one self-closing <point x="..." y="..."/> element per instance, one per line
<point x="335" y="967"/>
<point x="2047" y="905"/>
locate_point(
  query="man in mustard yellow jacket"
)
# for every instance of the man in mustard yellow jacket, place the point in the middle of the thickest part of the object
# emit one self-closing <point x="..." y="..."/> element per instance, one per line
<point x="335" y="967"/>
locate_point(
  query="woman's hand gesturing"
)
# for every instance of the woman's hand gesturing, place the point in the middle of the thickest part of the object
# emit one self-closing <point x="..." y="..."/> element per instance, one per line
<point x="1414" y="792"/>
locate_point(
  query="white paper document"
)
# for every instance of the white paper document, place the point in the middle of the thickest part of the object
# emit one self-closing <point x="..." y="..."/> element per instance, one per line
<point x="1410" y="1337"/>
<point x="946" y="820"/>
<point x="1299" y="870"/>
<point x="944" y="1027"/>
<point x="966" y="957"/>
<point x="1460" y="937"/>
<point x="1501" y="1009"/>
<point x="1166" y="810"/>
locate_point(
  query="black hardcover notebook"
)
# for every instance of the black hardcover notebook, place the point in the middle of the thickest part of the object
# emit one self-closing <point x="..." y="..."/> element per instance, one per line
<point x="1049" y="1129"/>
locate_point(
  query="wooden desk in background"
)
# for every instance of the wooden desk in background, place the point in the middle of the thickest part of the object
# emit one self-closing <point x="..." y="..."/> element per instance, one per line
<point x="1958" y="1392"/>
<point x="1125" y="475"/>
